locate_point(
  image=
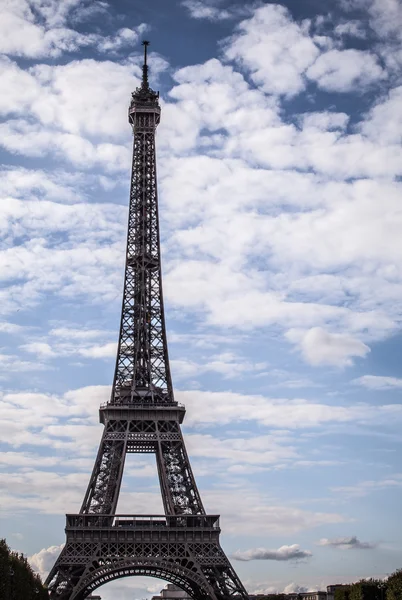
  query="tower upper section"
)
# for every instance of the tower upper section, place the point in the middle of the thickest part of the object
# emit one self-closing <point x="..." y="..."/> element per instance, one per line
<point x="142" y="373"/>
<point x="144" y="100"/>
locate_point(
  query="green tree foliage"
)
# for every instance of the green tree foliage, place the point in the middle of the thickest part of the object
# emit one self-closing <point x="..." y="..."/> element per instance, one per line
<point x="342" y="592"/>
<point x="17" y="579"/>
<point x="394" y="586"/>
<point x="367" y="589"/>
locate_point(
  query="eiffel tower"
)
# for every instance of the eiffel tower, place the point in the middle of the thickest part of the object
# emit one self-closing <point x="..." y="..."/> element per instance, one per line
<point x="181" y="546"/>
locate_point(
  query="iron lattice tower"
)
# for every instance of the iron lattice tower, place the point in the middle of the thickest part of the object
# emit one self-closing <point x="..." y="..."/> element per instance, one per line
<point x="181" y="546"/>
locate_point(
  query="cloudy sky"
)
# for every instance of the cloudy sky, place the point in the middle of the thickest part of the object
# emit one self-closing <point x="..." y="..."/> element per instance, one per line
<point x="279" y="165"/>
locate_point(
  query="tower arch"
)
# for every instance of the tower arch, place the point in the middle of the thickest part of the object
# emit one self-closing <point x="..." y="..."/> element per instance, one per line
<point x="182" y="575"/>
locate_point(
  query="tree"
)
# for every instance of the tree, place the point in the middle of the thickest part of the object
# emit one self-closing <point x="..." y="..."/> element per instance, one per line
<point x="394" y="586"/>
<point x="5" y="589"/>
<point x="17" y="579"/>
<point x="367" y="589"/>
<point x="342" y="592"/>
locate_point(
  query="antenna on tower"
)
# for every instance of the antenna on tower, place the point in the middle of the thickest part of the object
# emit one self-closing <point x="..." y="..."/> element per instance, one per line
<point x="145" y="84"/>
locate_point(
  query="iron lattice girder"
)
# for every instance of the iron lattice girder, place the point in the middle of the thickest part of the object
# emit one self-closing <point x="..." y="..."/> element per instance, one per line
<point x="181" y="546"/>
<point x="182" y="549"/>
<point x="151" y="429"/>
<point x="142" y="368"/>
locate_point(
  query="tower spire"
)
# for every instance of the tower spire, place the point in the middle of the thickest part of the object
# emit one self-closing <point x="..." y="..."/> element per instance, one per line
<point x="143" y="95"/>
<point x="144" y="83"/>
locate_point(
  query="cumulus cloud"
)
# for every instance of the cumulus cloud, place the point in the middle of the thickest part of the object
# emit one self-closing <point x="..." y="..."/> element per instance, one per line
<point x="284" y="553"/>
<point x="320" y="347"/>
<point x="274" y="49"/>
<point x="80" y="97"/>
<point x="346" y="543"/>
<point x="386" y="17"/>
<point x="33" y="261"/>
<point x="74" y="110"/>
<point x="43" y="561"/>
<point x="345" y="70"/>
<point x="384" y="121"/>
<point x="33" y="30"/>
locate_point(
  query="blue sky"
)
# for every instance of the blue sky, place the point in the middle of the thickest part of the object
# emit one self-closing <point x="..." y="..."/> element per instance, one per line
<point x="279" y="166"/>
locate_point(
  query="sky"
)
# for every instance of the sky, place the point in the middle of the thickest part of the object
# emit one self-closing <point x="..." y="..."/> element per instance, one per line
<point x="279" y="166"/>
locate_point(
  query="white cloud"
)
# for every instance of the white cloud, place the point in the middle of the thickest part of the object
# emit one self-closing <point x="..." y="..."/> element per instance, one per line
<point x="21" y="137"/>
<point x="43" y="561"/>
<point x="53" y="493"/>
<point x="227" y="364"/>
<point x="384" y="121"/>
<point x="325" y="121"/>
<point x="386" y="18"/>
<point x="104" y="351"/>
<point x="42" y="491"/>
<point x="41" y="349"/>
<point x="85" y="12"/>
<point x="262" y="515"/>
<point x="83" y="97"/>
<point x="284" y="553"/>
<point x="93" y="236"/>
<point x="226" y="407"/>
<point x="345" y="70"/>
<point x="235" y="214"/>
<point x="294" y="588"/>
<point x="11" y="363"/>
<point x="70" y="333"/>
<point x="67" y="342"/>
<point x="320" y="347"/>
<point x="76" y="110"/>
<point x="37" y="419"/>
<point x="202" y="10"/>
<point x="259" y="450"/>
<point x="363" y="488"/>
<point x="33" y="30"/>
<point x="379" y="382"/>
<point x="26" y="459"/>
<point x="346" y="543"/>
<point x="123" y="37"/>
<point x="274" y="49"/>
<point x="11" y="328"/>
<point x="266" y="234"/>
<point x="27" y="184"/>
<point x="352" y="28"/>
